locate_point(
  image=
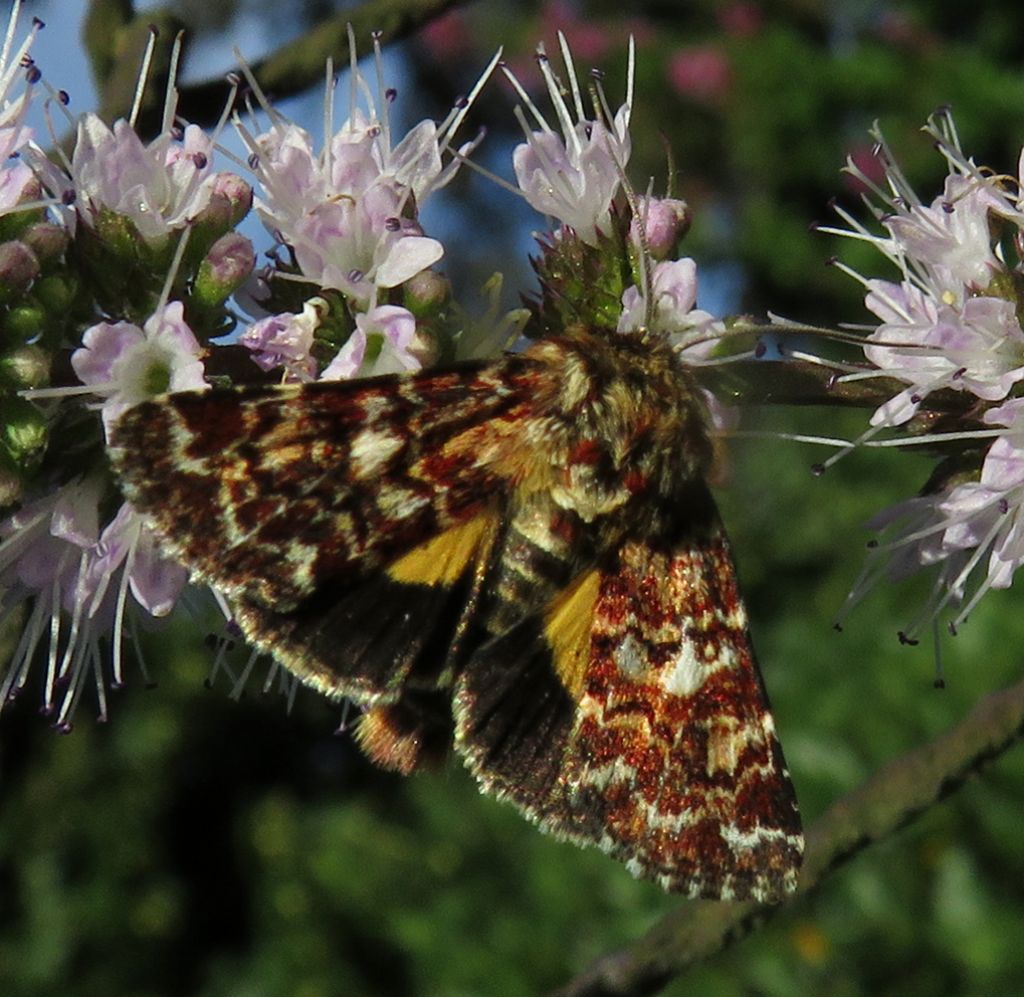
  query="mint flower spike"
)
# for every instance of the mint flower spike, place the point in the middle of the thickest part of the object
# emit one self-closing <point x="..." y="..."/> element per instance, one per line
<point x="158" y="187"/>
<point x="349" y="210"/>
<point x="78" y="575"/>
<point x="951" y="320"/>
<point x="970" y="534"/>
<point x="77" y="578"/>
<point x="122" y="186"/>
<point x="572" y="176"/>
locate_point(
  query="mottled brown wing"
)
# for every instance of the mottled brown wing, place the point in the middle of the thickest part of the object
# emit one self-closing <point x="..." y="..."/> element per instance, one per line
<point x="347" y="522"/>
<point x="270" y="492"/>
<point x="633" y="717"/>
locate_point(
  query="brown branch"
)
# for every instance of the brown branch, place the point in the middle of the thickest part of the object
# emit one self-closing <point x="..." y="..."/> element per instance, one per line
<point x="890" y="799"/>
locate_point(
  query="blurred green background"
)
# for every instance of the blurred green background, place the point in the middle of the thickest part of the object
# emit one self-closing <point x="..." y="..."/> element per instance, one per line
<point x="202" y="845"/>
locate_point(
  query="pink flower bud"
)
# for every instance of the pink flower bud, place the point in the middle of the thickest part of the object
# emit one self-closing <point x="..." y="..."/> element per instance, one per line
<point x="227" y="266"/>
<point x="18" y="268"/>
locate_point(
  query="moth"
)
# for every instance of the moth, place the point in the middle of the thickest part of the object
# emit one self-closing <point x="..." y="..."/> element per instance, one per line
<point x="519" y="558"/>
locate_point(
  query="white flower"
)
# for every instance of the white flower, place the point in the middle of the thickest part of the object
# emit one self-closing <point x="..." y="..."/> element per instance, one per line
<point x="574" y="173"/>
<point x="159" y="187"/>
<point x="349" y="211"/>
<point x="126" y="364"/>
<point x="357" y="245"/>
<point x="674" y="288"/>
<point x="285" y="340"/>
<point x="385" y="341"/>
<point x="952" y="236"/>
<point x="976" y="347"/>
<point x="76" y="579"/>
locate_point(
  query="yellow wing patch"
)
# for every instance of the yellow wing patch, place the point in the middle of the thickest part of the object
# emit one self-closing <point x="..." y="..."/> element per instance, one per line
<point x="567" y="626"/>
<point x="444" y="558"/>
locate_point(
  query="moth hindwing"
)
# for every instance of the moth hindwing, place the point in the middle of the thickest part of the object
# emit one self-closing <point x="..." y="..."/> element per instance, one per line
<point x="519" y="558"/>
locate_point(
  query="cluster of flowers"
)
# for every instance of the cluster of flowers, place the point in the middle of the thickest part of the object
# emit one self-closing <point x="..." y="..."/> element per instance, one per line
<point x="949" y="331"/>
<point x="122" y="268"/>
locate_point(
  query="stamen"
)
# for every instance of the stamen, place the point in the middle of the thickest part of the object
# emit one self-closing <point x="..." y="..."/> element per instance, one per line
<point x="277" y="120"/>
<point x="765" y="434"/>
<point x="73" y="645"/>
<point x="171" y="94"/>
<point x="117" y="638"/>
<point x="976" y="556"/>
<point x="859" y="441"/>
<point x="143" y="77"/>
<point x="527" y="100"/>
<point x="172" y="272"/>
<point x="342" y="728"/>
<point x="243" y="679"/>
<point x="570" y="69"/>
<point x="940" y="678"/>
<point x="385" y="111"/>
<point x="21" y="660"/>
<point x="52" y="649"/>
<point x="447" y="129"/>
<point x="102" y="716"/>
<point x="929" y="438"/>
<point x="329" y="88"/>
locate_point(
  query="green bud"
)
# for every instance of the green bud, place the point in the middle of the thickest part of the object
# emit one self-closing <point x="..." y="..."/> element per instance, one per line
<point x="208" y="226"/>
<point x="230" y="199"/>
<point x="55" y="294"/>
<point x="18" y="268"/>
<point x="23" y="323"/>
<point x="118" y="234"/>
<point x="25" y="367"/>
<point x="225" y="268"/>
<point x="22" y="429"/>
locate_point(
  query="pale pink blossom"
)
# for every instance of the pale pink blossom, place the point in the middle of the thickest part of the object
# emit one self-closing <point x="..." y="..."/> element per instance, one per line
<point x="75" y="579"/>
<point x="126" y="364"/>
<point x="573" y="173"/>
<point x="286" y="341"/>
<point x="976" y="347"/>
<point x="349" y="210"/>
<point x="159" y="187"/>
<point x="674" y="311"/>
<point x="385" y="341"/>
